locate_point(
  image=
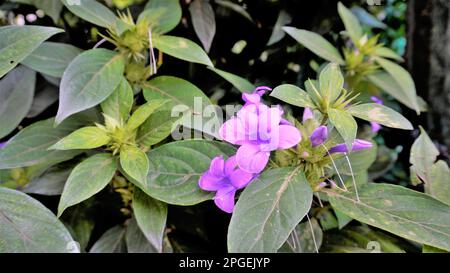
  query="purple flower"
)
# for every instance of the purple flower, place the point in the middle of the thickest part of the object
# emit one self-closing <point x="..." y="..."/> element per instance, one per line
<point x="307" y="114"/>
<point x="225" y="178"/>
<point x="2" y="144"/>
<point x="319" y="135"/>
<point x="358" y="145"/>
<point x="259" y="129"/>
<point x="375" y="125"/>
<point x="255" y="97"/>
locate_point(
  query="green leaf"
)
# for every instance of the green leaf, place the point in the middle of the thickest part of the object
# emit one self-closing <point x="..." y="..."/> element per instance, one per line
<point x="402" y="78"/>
<point x="19" y="41"/>
<point x="185" y="98"/>
<point x="381" y="114"/>
<point x="401" y="211"/>
<point x="439" y="185"/>
<point x="156" y="128"/>
<point x="331" y="82"/>
<point x="351" y="23"/>
<point x="204" y="21"/>
<point x="388" y="84"/>
<point x="430" y="249"/>
<point x="43" y="99"/>
<point x="27" y="226"/>
<point x="134" y="162"/>
<point x="423" y="155"/>
<point x="151" y="216"/>
<point x="141" y="114"/>
<point x="50" y="7"/>
<point x="80" y="223"/>
<point x="30" y="145"/>
<point x="163" y="15"/>
<point x="50" y="183"/>
<point x="268" y="211"/>
<point x="302" y="240"/>
<point x="234" y="7"/>
<point x="239" y="83"/>
<point x="316" y="44"/>
<point x="173" y="175"/>
<point x="345" y="124"/>
<point x="93" y="12"/>
<point x="181" y="48"/>
<point x="88" y="80"/>
<point x="89" y="137"/>
<point x="283" y="19"/>
<point x="51" y="58"/>
<point x="86" y="179"/>
<point x="118" y="104"/>
<point x="387" y="53"/>
<point x="293" y="95"/>
<point x="135" y="239"/>
<point x="16" y="97"/>
<point x="112" y="241"/>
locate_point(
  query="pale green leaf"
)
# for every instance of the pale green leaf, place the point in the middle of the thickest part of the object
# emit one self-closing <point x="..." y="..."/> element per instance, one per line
<point x="351" y="23"/>
<point x="134" y="162"/>
<point x="112" y="241"/>
<point x="345" y="124"/>
<point x="316" y="44"/>
<point x="156" y="128"/>
<point x="293" y="95"/>
<point x="331" y="82"/>
<point x="141" y="114"/>
<point x="89" y="137"/>
<point x="93" y="12"/>
<point x="380" y="114"/>
<point x="239" y="83"/>
<point x="118" y="104"/>
<point x="86" y="179"/>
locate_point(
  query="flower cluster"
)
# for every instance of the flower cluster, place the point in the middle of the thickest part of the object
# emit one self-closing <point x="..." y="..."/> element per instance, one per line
<point x="258" y="129"/>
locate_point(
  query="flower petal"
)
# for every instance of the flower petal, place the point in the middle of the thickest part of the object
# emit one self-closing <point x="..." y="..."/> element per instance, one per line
<point x="289" y="136"/>
<point x="240" y="178"/>
<point x="224" y="199"/>
<point x="217" y="166"/>
<point x="319" y="135"/>
<point x="375" y="126"/>
<point x="251" y="159"/>
<point x="210" y="182"/>
<point x="233" y="131"/>
<point x="230" y="165"/>
<point x="307" y="114"/>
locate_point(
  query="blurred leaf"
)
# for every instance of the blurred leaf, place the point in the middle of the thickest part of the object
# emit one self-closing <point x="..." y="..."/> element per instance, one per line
<point x="135" y="239"/>
<point x="268" y="210"/>
<point x="387" y="53"/>
<point x="402" y="77"/>
<point x="277" y="33"/>
<point x="51" y="182"/>
<point x="16" y="97"/>
<point x="423" y="155"/>
<point x="204" y="22"/>
<point x="50" y="7"/>
<point x="366" y="18"/>
<point x="351" y="23"/>
<point x="235" y="7"/>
